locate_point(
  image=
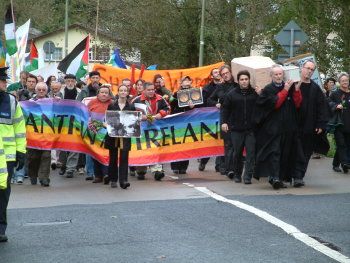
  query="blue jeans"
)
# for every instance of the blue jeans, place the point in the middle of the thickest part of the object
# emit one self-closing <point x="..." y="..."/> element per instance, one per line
<point x="89" y="166"/>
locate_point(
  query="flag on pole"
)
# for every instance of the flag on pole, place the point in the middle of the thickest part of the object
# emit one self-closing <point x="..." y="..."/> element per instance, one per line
<point x="33" y="58"/>
<point x="11" y="45"/>
<point x="77" y="61"/>
<point x="116" y="60"/>
<point x="21" y="40"/>
<point x="2" y="55"/>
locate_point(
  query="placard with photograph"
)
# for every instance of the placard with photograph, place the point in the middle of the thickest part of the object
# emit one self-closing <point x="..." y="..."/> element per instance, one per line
<point x="184" y="96"/>
<point x="124" y="124"/>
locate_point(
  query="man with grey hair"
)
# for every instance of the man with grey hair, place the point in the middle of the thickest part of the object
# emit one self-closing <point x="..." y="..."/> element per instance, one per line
<point x="39" y="160"/>
<point x="340" y="106"/>
<point x="313" y="118"/>
<point x="276" y="136"/>
<point x="56" y="90"/>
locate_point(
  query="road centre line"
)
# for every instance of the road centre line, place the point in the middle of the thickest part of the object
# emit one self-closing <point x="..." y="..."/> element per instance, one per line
<point x="289" y="229"/>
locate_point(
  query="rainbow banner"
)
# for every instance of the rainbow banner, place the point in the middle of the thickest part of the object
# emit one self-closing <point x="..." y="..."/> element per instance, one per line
<point x="63" y="125"/>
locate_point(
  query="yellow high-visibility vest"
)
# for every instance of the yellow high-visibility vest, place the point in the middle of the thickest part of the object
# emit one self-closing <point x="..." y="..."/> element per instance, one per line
<point x="12" y="127"/>
<point x="3" y="167"/>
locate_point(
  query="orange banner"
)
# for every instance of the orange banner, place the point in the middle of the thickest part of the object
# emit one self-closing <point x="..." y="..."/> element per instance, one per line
<point x="114" y="76"/>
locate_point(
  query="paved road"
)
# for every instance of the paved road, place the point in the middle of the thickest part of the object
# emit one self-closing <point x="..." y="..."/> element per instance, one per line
<point x="174" y="221"/>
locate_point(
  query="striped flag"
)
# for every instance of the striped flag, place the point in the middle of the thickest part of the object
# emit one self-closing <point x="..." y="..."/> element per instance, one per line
<point x="77" y="61"/>
<point x="11" y="45"/>
<point x="2" y="56"/>
<point x="33" y="58"/>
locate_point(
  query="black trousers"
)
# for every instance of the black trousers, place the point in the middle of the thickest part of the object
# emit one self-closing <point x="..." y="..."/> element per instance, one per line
<point x="100" y="170"/>
<point x="226" y="162"/>
<point x="304" y="153"/>
<point x="121" y="171"/>
<point x="342" y="141"/>
<point x="181" y="165"/>
<point x="239" y="141"/>
<point x="5" y="197"/>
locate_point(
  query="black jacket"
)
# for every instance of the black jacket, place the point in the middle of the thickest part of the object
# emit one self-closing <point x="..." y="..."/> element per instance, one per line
<point x="110" y="142"/>
<point x="272" y="121"/>
<point x="313" y="112"/>
<point x="340" y="97"/>
<point x="207" y="91"/>
<point x="221" y="91"/>
<point x="238" y="109"/>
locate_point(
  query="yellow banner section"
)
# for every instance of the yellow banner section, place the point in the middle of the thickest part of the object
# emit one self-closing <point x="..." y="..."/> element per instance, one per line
<point x="114" y="76"/>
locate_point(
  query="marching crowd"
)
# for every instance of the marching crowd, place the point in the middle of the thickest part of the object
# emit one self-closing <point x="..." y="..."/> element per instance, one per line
<point x="278" y="127"/>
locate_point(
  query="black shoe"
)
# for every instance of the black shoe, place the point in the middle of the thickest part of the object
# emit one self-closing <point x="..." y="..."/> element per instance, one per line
<point x="53" y="166"/>
<point x="345" y="168"/>
<point x="217" y="169"/>
<point x="222" y="171"/>
<point x="97" y="180"/>
<point x="69" y="175"/>
<point x="247" y="181"/>
<point x="237" y="179"/>
<point x="298" y="183"/>
<point x="140" y="175"/>
<point x="336" y="169"/>
<point x="3" y="238"/>
<point x="201" y="167"/>
<point x="181" y="172"/>
<point x="158" y="176"/>
<point x="176" y="171"/>
<point x="132" y="173"/>
<point x="62" y="171"/>
<point x="230" y="175"/>
<point x="124" y="185"/>
<point x="45" y="182"/>
<point x="106" y="180"/>
<point x="33" y="181"/>
<point x="276" y="184"/>
<point x="89" y="178"/>
<point x="114" y="185"/>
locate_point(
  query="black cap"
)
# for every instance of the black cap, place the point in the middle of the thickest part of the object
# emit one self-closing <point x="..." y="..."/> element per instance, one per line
<point x="3" y="73"/>
<point x="70" y="76"/>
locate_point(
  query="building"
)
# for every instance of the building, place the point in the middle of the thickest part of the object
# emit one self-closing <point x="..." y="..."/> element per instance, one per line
<point x="51" y="45"/>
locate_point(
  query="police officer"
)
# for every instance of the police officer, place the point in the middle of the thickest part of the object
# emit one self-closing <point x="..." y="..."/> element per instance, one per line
<point x="13" y="135"/>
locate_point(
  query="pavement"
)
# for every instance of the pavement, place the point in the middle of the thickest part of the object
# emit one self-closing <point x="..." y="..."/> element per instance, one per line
<point x="74" y="220"/>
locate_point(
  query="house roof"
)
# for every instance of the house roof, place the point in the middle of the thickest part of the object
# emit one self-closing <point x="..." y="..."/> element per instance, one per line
<point x="82" y="27"/>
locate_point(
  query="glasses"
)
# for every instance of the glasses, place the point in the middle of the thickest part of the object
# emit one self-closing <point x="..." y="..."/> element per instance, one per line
<point x="225" y="73"/>
<point x="311" y="69"/>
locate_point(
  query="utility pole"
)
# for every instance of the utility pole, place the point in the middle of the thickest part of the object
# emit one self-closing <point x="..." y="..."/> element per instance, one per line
<point x="201" y="41"/>
<point x="66" y="31"/>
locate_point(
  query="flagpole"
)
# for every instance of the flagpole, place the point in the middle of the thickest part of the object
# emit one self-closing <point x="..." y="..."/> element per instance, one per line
<point x="95" y="47"/>
<point x="14" y="61"/>
<point x="66" y="31"/>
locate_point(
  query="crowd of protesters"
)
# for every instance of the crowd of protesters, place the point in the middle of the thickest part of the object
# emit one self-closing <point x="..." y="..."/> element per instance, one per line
<point x="267" y="131"/>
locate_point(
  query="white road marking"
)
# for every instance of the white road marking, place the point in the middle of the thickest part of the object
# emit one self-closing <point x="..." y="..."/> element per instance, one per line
<point x="289" y="229"/>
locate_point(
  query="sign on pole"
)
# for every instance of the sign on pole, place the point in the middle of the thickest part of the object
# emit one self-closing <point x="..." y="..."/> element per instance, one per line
<point x="291" y="37"/>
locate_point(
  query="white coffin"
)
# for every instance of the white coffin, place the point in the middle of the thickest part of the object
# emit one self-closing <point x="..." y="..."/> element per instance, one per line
<point x="258" y="67"/>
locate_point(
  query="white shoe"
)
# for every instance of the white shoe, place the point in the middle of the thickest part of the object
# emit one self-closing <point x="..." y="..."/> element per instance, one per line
<point x="19" y="180"/>
<point x="81" y="171"/>
<point x="13" y="180"/>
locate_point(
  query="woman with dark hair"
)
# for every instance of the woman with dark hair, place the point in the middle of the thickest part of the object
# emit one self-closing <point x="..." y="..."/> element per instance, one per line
<point x="49" y="80"/>
<point x="118" y="145"/>
<point x="139" y="86"/>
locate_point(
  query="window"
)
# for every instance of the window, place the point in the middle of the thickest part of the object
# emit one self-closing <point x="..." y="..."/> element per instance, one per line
<point x="103" y="54"/>
<point x="57" y="55"/>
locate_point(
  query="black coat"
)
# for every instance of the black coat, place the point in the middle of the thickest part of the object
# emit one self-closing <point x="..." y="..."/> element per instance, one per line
<point x="207" y="91"/>
<point x="271" y="121"/>
<point x="340" y="97"/>
<point x="110" y="142"/>
<point x="238" y="109"/>
<point x="218" y="96"/>
<point x="313" y="112"/>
